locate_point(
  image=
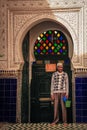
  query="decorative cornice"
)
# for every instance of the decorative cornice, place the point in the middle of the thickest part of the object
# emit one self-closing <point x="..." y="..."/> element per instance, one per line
<point x="80" y="71"/>
<point x="43" y="4"/>
<point x="9" y="73"/>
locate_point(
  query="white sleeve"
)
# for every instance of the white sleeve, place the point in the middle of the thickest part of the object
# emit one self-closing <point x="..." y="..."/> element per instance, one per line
<point x="52" y="84"/>
<point x="67" y="84"/>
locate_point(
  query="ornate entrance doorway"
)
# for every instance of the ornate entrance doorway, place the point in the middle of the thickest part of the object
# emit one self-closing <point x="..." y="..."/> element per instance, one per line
<point x="50" y="47"/>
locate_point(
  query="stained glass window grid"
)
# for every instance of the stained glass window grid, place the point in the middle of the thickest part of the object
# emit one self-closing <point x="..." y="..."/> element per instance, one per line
<point x="61" y="44"/>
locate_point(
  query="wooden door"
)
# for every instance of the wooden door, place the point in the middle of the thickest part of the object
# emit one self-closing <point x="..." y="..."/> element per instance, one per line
<point x="41" y="108"/>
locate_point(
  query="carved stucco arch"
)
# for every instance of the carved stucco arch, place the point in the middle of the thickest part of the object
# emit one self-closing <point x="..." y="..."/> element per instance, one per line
<point x="33" y="21"/>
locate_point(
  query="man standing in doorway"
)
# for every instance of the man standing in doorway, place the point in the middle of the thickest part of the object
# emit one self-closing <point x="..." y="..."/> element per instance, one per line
<point x="59" y="89"/>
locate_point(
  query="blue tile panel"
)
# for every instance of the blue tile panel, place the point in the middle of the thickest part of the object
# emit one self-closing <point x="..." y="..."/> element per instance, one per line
<point x="81" y="99"/>
<point x="8" y="88"/>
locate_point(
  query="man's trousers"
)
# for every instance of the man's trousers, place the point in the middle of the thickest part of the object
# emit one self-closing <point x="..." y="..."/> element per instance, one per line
<point x="58" y="99"/>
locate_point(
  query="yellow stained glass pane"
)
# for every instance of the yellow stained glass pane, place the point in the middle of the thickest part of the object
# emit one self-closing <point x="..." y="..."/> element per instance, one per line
<point x="58" y="35"/>
<point x="64" y="47"/>
<point x="49" y="44"/>
<point x="58" y="53"/>
<point x="41" y="35"/>
<point x="44" y="44"/>
<point x="35" y="47"/>
<point x="47" y="47"/>
<point x="52" y="47"/>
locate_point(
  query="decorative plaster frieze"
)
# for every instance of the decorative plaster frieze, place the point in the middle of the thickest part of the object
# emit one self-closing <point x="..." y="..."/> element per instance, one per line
<point x="16" y="23"/>
<point x="8" y="73"/>
<point x="70" y="17"/>
<point x="85" y="36"/>
<point x="44" y="4"/>
<point x="85" y="62"/>
<point x="3" y="65"/>
<point x="19" y="21"/>
<point x="3" y="31"/>
<point x="73" y="19"/>
<point x="80" y="72"/>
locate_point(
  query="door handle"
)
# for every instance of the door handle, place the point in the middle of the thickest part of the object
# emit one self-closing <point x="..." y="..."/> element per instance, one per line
<point x="44" y="99"/>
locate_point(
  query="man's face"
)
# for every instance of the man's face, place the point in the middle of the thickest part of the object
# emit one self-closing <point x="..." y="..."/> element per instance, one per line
<point x="60" y="68"/>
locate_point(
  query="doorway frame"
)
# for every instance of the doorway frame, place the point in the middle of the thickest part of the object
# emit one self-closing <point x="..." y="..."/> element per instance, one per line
<point x="20" y="38"/>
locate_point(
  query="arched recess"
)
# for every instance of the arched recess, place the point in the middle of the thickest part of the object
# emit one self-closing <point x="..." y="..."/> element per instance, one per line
<point x="34" y="21"/>
<point x="44" y="79"/>
<point x="28" y="26"/>
<point x="49" y="25"/>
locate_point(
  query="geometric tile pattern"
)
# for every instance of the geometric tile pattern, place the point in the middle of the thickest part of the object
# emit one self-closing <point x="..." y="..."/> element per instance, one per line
<point x="44" y="126"/>
<point x="8" y="88"/>
<point x="81" y="99"/>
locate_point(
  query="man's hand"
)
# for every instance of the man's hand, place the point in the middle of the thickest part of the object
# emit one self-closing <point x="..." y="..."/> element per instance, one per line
<point x="52" y="97"/>
<point x="64" y="94"/>
<point x="67" y="96"/>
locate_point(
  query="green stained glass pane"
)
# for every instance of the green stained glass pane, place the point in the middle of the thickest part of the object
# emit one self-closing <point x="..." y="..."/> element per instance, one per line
<point x="55" y="50"/>
<point x="64" y="53"/>
<point x="44" y="38"/>
<point x="55" y="44"/>
<point x="61" y="44"/>
<point x="38" y="44"/>
<point x="44" y="51"/>
<point x="35" y="53"/>
<point x="49" y="32"/>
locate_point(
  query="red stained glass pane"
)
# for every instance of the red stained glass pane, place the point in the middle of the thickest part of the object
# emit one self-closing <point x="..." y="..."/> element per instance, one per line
<point x="47" y="41"/>
<point x="41" y="47"/>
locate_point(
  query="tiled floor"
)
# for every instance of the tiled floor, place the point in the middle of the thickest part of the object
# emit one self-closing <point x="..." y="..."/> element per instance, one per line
<point x="43" y="126"/>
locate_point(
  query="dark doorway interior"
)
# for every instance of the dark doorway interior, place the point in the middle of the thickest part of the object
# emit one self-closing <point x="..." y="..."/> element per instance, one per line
<point x="41" y="105"/>
<point x="50" y="47"/>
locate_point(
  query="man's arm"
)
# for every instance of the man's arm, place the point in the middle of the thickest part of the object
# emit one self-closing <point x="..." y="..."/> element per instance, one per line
<point x="67" y="85"/>
<point x="52" y="86"/>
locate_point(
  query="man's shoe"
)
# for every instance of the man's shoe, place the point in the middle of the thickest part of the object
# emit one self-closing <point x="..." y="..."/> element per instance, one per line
<point x="65" y="124"/>
<point x="54" y="123"/>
